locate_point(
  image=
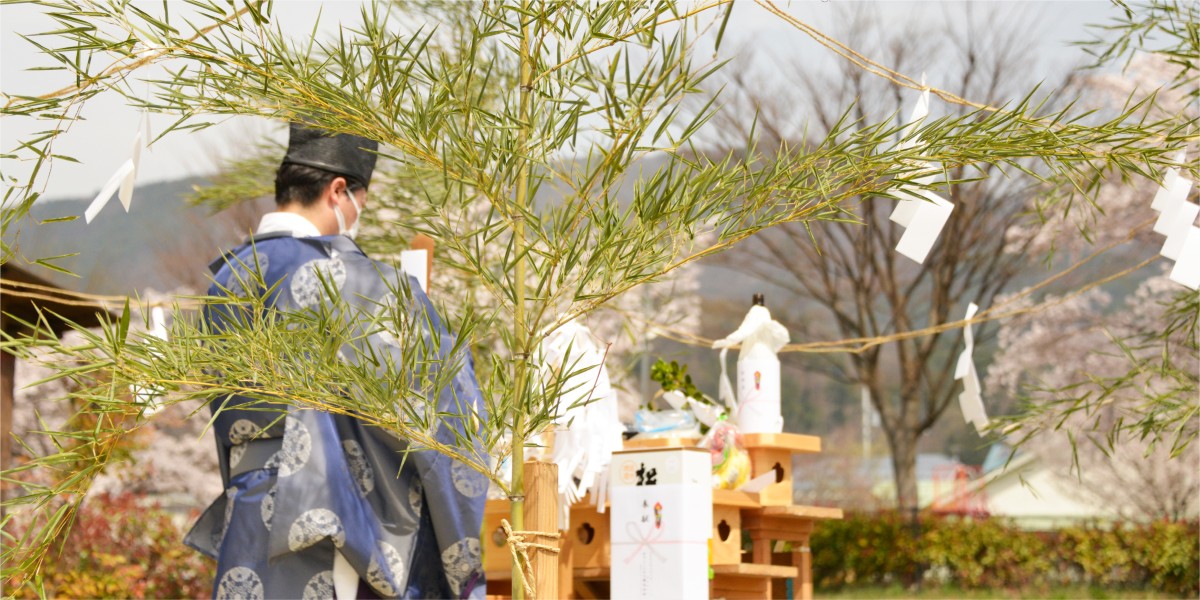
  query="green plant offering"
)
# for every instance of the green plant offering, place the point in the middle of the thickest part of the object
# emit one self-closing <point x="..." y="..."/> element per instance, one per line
<point x="674" y="377"/>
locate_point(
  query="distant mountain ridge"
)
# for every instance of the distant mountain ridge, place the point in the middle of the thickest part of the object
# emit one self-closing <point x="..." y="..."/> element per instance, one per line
<point x="163" y="243"/>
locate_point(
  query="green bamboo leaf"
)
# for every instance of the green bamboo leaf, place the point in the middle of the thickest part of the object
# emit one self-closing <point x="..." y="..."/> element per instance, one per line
<point x="46" y="262"/>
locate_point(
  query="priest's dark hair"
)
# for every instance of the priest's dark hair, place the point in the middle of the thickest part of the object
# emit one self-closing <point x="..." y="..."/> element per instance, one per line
<point x="303" y="185"/>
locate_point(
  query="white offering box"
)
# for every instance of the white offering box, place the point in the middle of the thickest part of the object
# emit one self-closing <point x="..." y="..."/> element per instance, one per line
<point x="661" y="523"/>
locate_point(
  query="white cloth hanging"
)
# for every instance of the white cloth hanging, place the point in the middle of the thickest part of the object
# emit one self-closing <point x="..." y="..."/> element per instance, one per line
<point x="589" y="429"/>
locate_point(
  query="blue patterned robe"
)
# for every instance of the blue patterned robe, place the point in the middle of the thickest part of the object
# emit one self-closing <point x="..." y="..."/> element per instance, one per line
<point x="300" y="488"/>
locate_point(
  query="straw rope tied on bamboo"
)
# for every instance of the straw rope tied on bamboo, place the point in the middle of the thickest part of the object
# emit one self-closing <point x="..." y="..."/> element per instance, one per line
<point x="313" y="505"/>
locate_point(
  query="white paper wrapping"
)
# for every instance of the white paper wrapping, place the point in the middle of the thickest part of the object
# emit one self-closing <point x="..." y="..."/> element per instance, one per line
<point x="758" y="393"/>
<point x="416" y="263"/>
<point x="759" y="402"/>
<point x="661" y="523"/>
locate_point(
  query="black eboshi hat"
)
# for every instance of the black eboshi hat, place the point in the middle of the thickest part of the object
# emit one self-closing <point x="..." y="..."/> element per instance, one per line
<point x="342" y="153"/>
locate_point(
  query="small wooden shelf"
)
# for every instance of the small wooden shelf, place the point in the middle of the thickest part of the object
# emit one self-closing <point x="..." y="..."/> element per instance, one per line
<point x="735" y="498"/>
<point x="591" y="573"/>
<point x="673" y="441"/>
<point x="499" y="575"/>
<point x="812" y="512"/>
<point x="756" y="570"/>
<point x="497" y="507"/>
<point x="747" y="580"/>
<point x="792" y="442"/>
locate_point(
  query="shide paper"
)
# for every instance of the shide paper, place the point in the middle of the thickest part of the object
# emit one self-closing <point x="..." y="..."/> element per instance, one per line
<point x="588" y="428"/>
<point x="931" y="214"/>
<point x="1181" y="221"/>
<point x="1174" y="188"/>
<point x="970" y="400"/>
<point x="921" y="212"/>
<point x="906" y="208"/>
<point x="110" y="187"/>
<point x="1177" y="221"/>
<point x="121" y="182"/>
<point x="1187" y="268"/>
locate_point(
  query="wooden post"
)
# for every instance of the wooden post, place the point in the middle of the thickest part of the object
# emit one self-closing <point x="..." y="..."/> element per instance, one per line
<point x="802" y="558"/>
<point x="541" y="514"/>
<point x="566" y="566"/>
<point x="8" y="369"/>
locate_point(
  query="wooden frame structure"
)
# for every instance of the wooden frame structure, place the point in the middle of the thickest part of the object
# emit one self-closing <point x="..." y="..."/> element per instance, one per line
<point x="766" y="518"/>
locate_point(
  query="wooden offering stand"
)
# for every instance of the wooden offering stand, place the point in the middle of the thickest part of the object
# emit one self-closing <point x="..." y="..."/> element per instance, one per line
<point x="766" y="517"/>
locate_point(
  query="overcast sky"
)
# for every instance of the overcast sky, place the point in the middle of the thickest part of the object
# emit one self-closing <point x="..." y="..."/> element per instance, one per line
<point x="104" y="140"/>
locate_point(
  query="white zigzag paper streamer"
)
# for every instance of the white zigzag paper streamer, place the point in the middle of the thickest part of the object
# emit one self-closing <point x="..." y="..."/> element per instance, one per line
<point x="121" y="182"/>
<point x="126" y="192"/>
<point x="1176" y="220"/>
<point x="932" y="212"/>
<point x="1182" y="218"/>
<point x="970" y="400"/>
<point x="106" y="192"/>
<point x="1186" y="271"/>
<point x="1174" y="188"/>
<point x="921" y="212"/>
<point x="906" y="208"/>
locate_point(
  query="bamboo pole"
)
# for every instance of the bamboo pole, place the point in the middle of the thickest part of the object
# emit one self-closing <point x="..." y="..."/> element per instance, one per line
<point x="521" y="354"/>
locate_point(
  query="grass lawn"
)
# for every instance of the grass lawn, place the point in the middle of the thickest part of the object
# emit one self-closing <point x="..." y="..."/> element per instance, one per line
<point x="946" y="593"/>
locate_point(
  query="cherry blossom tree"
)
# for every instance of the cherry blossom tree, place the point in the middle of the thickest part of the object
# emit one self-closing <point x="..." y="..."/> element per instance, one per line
<point x="1108" y="376"/>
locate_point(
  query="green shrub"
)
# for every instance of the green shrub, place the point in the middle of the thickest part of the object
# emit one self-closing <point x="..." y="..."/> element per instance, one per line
<point x="1170" y="554"/>
<point x="966" y="554"/>
<point x="864" y="549"/>
<point x="983" y="553"/>
<point x="1163" y="556"/>
<point x="1100" y="555"/>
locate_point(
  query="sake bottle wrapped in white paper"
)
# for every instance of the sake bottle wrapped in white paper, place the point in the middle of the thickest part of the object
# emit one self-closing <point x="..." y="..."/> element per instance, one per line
<point x="758" y="390"/>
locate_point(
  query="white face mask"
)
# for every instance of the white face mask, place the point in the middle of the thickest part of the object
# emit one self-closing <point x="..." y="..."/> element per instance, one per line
<point x="352" y="231"/>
